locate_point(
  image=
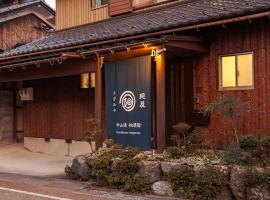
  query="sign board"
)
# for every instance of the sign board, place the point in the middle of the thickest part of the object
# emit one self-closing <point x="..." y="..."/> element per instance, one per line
<point x="26" y="94"/>
<point x="128" y="101"/>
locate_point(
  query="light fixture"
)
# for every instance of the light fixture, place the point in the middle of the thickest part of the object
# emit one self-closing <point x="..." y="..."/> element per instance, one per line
<point x="88" y="80"/>
<point x="92" y="80"/>
<point x="155" y="52"/>
<point x="85" y="81"/>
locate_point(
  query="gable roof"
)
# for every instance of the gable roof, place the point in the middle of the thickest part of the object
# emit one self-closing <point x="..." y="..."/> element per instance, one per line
<point x="10" y="12"/>
<point x="12" y="8"/>
<point x="180" y="14"/>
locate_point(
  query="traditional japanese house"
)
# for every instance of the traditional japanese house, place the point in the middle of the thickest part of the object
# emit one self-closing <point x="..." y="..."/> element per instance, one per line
<point x="20" y="22"/>
<point x="140" y="67"/>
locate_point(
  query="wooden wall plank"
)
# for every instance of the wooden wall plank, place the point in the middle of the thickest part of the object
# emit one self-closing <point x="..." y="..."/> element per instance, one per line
<point x="59" y="109"/>
<point x="77" y="12"/>
<point x="235" y="38"/>
<point x="21" y="30"/>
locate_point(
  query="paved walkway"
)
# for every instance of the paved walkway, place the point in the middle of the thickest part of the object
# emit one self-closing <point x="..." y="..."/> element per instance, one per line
<point x="18" y="187"/>
<point x="15" y="159"/>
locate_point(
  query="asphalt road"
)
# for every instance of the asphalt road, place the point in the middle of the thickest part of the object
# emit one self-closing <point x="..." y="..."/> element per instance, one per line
<point x="18" y="187"/>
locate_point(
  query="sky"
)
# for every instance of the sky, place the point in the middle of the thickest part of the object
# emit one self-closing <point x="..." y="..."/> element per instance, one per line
<point x="51" y="3"/>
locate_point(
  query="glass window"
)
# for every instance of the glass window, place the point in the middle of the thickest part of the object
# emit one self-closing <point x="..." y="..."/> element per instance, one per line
<point x="99" y="3"/>
<point x="236" y="71"/>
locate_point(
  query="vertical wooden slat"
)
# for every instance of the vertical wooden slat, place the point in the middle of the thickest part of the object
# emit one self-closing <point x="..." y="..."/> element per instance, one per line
<point x="77" y="12"/>
<point x="99" y="111"/>
<point x="160" y="94"/>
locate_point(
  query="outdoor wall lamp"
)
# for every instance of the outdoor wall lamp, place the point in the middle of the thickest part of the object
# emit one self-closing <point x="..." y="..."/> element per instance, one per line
<point x="155" y="52"/>
<point x="88" y="80"/>
<point x="85" y="81"/>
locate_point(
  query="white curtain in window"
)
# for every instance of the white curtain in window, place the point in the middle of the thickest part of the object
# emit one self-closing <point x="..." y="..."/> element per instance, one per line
<point x="98" y="3"/>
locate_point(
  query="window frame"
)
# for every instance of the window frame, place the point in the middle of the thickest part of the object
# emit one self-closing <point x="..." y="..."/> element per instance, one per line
<point x="231" y="88"/>
<point x="93" y="5"/>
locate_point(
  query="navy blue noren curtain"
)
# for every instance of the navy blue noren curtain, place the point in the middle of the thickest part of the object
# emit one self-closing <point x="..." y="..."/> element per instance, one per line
<point x="128" y="101"/>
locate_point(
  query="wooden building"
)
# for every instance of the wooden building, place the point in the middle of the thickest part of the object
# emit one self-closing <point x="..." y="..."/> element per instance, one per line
<point x="20" y="22"/>
<point x="197" y="51"/>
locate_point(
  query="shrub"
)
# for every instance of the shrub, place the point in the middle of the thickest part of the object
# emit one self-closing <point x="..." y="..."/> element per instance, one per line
<point x="266" y="143"/>
<point x="175" y="152"/>
<point x="181" y="177"/>
<point x="248" y="142"/>
<point x="233" y="156"/>
<point x="204" y="185"/>
<point x="265" y="178"/>
<point x="208" y="183"/>
<point x="124" y="170"/>
<point x="236" y="156"/>
<point x="136" y="183"/>
<point x="101" y="168"/>
<point x="129" y="152"/>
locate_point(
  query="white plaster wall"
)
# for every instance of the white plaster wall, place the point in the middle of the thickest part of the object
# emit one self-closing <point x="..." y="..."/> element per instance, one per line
<point x="57" y="147"/>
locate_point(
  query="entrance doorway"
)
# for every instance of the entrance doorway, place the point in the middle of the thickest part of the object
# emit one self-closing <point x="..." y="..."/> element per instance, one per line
<point x="128" y="101"/>
<point x="179" y="94"/>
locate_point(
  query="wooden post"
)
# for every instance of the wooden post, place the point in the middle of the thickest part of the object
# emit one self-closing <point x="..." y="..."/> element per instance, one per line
<point x="160" y="101"/>
<point x="99" y="101"/>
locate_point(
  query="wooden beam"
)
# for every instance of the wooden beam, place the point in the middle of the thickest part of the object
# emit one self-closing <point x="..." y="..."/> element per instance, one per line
<point x="99" y="103"/>
<point x="67" y="68"/>
<point x="160" y="102"/>
<point x="199" y="47"/>
<point x="142" y="51"/>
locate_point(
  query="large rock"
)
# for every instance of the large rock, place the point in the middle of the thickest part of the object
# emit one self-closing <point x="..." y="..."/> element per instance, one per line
<point x="162" y="188"/>
<point x="239" y="179"/>
<point x="260" y="193"/>
<point x="80" y="168"/>
<point x="169" y="166"/>
<point x="151" y="170"/>
<point x="225" y="194"/>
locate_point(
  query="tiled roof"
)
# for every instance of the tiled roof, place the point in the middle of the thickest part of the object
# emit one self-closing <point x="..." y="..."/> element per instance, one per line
<point x="14" y="7"/>
<point x="172" y="16"/>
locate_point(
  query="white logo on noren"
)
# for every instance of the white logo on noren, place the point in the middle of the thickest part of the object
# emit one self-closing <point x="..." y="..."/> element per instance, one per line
<point x="128" y="101"/>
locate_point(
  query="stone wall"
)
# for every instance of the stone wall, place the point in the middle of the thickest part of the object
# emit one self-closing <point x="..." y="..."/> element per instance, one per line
<point x="6" y="114"/>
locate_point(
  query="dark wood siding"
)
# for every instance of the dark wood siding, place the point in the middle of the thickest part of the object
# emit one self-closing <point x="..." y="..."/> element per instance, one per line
<point x="59" y="110"/>
<point x="117" y="7"/>
<point x="234" y="39"/>
<point x="19" y="31"/>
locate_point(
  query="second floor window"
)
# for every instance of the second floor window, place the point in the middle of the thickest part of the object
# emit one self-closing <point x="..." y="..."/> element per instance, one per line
<point x="99" y="3"/>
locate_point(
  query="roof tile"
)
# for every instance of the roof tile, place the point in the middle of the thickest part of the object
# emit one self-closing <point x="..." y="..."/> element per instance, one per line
<point x="176" y="15"/>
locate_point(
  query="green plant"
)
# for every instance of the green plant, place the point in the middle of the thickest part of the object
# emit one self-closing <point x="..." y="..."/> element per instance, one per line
<point x="233" y="156"/>
<point x="266" y="143"/>
<point x="129" y="152"/>
<point x="124" y="169"/>
<point x="136" y="183"/>
<point x="102" y="168"/>
<point x="89" y="135"/>
<point x="175" y="152"/>
<point x="181" y="177"/>
<point x="70" y="174"/>
<point x="208" y="183"/>
<point x="248" y="142"/>
<point x="236" y="156"/>
<point x="230" y="110"/>
<point x="181" y="131"/>
<point x="193" y="140"/>
<point x="265" y="178"/>
<point x="203" y="185"/>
